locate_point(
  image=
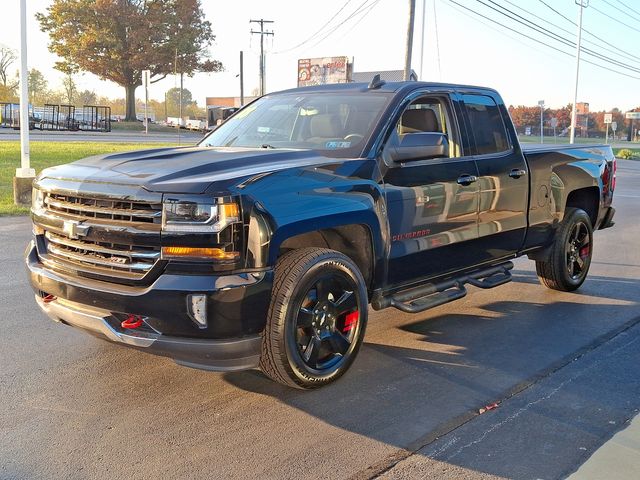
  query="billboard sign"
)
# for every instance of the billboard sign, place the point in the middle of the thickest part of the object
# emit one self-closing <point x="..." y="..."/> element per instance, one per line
<point x="320" y="71"/>
<point x="582" y="108"/>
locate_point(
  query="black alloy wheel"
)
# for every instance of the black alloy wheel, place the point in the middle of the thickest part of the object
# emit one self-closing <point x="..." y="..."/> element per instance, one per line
<point x="327" y="322"/>
<point x="567" y="261"/>
<point x="578" y="250"/>
<point x="317" y="318"/>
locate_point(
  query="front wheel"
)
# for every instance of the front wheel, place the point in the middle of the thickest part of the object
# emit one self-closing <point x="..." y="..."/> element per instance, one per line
<point x="316" y="320"/>
<point x="568" y="263"/>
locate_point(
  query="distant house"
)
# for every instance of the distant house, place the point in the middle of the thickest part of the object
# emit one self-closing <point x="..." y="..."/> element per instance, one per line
<point x="386" y="75"/>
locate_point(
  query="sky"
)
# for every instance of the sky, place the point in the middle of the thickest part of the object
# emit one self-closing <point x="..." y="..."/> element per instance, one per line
<point x="459" y="47"/>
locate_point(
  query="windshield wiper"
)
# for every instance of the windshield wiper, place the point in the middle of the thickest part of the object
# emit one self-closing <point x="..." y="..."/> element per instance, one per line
<point x="266" y="145"/>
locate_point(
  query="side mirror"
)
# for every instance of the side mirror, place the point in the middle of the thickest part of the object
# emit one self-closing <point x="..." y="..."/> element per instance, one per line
<point x="420" y="146"/>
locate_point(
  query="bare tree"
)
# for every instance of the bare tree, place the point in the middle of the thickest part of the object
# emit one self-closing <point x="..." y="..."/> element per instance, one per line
<point x="7" y="57"/>
<point x="70" y="88"/>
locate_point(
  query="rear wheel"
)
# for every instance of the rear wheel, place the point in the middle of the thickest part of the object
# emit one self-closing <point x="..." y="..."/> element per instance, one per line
<point x="568" y="264"/>
<point x="316" y="319"/>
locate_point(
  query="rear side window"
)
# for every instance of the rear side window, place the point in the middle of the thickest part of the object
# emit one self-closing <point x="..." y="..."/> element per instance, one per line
<point x="487" y="126"/>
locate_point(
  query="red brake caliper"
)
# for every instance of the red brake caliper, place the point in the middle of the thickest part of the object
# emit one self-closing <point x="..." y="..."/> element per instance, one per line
<point x="351" y="321"/>
<point x="584" y="251"/>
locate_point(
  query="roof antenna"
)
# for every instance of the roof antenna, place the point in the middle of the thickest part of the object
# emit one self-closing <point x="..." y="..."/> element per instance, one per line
<point x="376" y="82"/>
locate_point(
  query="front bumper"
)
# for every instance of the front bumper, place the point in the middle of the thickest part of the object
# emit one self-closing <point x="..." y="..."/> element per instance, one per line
<point x="237" y="306"/>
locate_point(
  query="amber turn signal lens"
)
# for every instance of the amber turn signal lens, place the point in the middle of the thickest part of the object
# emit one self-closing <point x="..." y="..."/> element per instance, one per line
<point x="228" y="210"/>
<point x="198" y="252"/>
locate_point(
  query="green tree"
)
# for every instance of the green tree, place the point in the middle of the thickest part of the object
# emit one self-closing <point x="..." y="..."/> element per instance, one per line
<point x="173" y="101"/>
<point x="118" y="39"/>
<point x="38" y="87"/>
<point x="87" y="97"/>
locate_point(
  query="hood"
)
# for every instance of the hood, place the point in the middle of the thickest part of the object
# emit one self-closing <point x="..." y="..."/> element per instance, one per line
<point x="183" y="169"/>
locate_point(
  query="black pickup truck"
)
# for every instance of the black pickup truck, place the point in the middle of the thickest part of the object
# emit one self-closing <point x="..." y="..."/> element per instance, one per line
<point x="265" y="244"/>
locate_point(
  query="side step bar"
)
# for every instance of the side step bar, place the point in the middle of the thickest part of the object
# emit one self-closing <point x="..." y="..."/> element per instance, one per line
<point x="422" y="298"/>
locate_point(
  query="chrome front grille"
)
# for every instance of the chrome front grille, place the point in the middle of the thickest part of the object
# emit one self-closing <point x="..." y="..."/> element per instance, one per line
<point x="103" y="208"/>
<point x="114" y="240"/>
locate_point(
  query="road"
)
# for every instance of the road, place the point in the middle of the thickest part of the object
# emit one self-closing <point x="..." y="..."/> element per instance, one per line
<point x="116" y="136"/>
<point x="563" y="367"/>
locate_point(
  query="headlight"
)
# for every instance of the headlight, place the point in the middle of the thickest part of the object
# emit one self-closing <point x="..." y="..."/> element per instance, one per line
<point x="198" y="215"/>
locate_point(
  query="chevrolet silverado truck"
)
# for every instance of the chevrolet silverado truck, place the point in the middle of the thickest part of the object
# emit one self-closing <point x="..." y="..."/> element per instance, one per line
<point x="265" y="244"/>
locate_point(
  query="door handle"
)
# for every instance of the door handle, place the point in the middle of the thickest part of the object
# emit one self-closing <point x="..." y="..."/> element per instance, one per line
<point x="517" y="173"/>
<point x="467" y="179"/>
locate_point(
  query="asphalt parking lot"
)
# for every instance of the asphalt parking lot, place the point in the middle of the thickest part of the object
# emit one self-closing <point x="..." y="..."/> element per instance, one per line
<point x="562" y="366"/>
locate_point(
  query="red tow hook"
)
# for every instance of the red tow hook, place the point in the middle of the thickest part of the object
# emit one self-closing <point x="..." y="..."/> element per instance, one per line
<point x="132" y="321"/>
<point x="49" y="298"/>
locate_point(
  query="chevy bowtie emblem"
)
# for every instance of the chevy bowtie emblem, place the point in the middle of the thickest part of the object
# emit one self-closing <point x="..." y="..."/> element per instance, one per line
<point x="74" y="229"/>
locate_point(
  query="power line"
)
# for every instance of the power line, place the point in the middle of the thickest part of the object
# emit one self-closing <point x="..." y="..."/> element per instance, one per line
<point x="585" y="30"/>
<point x="541" y="42"/>
<point x="554" y="36"/>
<point x="502" y="32"/>
<point x="358" y="10"/>
<point x="312" y="36"/>
<point x="628" y="7"/>
<point x="601" y="43"/>
<point x="365" y="13"/>
<point x="620" y="10"/>
<point x="616" y="20"/>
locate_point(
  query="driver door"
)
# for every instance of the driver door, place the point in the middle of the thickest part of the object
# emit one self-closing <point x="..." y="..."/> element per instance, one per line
<point x="432" y="202"/>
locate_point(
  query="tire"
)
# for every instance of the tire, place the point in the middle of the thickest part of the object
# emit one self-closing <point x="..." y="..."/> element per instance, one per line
<point x="316" y="320"/>
<point x="568" y="263"/>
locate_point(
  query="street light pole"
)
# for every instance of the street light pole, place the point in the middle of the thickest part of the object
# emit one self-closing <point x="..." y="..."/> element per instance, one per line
<point x="25" y="164"/>
<point x="25" y="174"/>
<point x="408" y="51"/>
<point x="582" y="4"/>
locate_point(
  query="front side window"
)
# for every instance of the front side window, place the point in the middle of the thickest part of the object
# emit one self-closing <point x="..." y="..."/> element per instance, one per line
<point x="423" y="115"/>
<point x="487" y="126"/>
<point x="334" y="124"/>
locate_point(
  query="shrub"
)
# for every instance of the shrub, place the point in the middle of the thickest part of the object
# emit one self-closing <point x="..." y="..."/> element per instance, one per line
<point x="626" y="154"/>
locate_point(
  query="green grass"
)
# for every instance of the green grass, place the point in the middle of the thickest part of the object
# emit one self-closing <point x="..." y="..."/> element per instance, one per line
<point x="558" y="140"/>
<point x="139" y="127"/>
<point x="48" y="154"/>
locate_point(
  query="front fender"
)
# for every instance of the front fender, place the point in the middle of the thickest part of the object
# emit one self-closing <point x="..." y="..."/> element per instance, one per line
<point x="299" y="201"/>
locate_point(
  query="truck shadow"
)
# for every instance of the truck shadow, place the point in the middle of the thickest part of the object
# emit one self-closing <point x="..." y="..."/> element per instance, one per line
<point x="422" y="378"/>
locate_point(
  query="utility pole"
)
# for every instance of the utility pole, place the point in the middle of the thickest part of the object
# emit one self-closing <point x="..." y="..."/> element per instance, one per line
<point x="541" y="104"/>
<point x="241" y="78"/>
<point x="407" y="57"/>
<point x="424" y="21"/>
<point x="262" y="33"/>
<point x="582" y="4"/>
<point x="25" y="174"/>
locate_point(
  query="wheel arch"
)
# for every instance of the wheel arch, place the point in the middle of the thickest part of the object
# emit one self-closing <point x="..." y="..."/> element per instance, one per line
<point x="353" y="240"/>
<point x="587" y="199"/>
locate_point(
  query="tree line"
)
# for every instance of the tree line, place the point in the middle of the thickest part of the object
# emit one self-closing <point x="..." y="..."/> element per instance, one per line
<point x="117" y="40"/>
<point x="68" y="92"/>
<point x="591" y="123"/>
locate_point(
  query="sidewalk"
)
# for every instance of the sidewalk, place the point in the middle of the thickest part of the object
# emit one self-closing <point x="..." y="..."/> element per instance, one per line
<point x="618" y="459"/>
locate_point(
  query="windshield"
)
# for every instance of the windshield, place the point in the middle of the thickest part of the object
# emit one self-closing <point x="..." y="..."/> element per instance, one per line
<point x="334" y="124"/>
